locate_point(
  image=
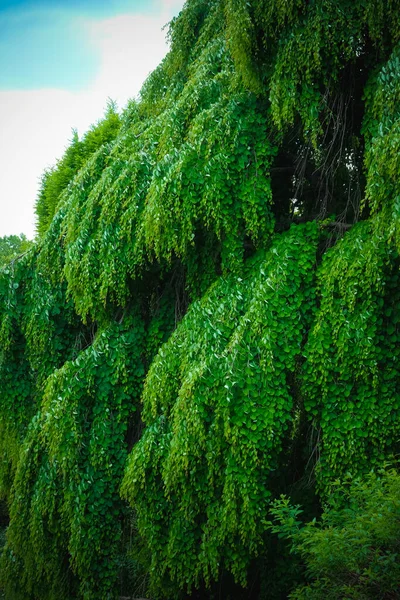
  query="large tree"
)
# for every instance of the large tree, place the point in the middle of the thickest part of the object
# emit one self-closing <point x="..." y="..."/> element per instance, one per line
<point x="210" y="315"/>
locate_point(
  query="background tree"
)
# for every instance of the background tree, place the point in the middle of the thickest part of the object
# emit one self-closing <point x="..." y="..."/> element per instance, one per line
<point x="12" y="246"/>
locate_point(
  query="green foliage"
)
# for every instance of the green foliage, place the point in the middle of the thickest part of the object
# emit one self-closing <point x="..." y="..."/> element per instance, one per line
<point x="241" y="39"/>
<point x="39" y="332"/>
<point x="353" y="551"/>
<point x="195" y="174"/>
<point x="284" y="371"/>
<point x="217" y="403"/>
<point x="65" y="492"/>
<point x="12" y="246"/>
<point x="351" y="376"/>
<point x="16" y="399"/>
<point x="2" y="542"/>
<point x="57" y="179"/>
<point x="301" y="49"/>
<point x="382" y="130"/>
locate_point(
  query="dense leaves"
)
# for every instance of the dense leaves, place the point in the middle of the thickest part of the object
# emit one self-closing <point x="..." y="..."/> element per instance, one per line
<point x="65" y="494"/>
<point x="12" y="246"/>
<point x="209" y="316"/>
<point x="353" y="551"/>
<point x="57" y="179"/>
<point x="351" y="377"/>
<point x="217" y="403"/>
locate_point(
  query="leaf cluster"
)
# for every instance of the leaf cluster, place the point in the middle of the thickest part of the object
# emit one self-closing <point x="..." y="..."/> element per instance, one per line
<point x="173" y="332"/>
<point x="352" y="551"/>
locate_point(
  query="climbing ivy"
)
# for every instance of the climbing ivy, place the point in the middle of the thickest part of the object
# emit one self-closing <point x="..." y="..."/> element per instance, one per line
<point x="209" y="316"/>
<point x="65" y="502"/>
<point x="351" y="376"/>
<point x="382" y="131"/>
<point x="197" y="170"/>
<point x="217" y="403"/>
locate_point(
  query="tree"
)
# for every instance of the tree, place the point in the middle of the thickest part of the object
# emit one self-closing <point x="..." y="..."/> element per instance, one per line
<point x="12" y="246"/>
<point x="56" y="179"/>
<point x="210" y="316"/>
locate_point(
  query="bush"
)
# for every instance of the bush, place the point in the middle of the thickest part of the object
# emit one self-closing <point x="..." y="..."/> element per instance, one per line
<point x="352" y="552"/>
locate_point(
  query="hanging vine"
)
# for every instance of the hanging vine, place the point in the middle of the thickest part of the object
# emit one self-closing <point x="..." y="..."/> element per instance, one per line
<point x="203" y="323"/>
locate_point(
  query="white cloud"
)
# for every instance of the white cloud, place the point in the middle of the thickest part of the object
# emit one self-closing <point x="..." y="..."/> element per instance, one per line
<point x="131" y="46"/>
<point x="171" y="6"/>
<point x="36" y="125"/>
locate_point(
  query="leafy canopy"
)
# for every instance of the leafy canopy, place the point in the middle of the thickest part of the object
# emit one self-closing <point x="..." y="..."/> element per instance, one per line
<point x="209" y="316"/>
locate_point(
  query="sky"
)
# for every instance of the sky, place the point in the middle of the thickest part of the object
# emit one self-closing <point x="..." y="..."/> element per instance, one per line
<point x="60" y="61"/>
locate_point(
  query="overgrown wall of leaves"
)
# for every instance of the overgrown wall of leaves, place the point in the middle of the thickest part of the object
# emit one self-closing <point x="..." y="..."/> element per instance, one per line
<point x="210" y="314"/>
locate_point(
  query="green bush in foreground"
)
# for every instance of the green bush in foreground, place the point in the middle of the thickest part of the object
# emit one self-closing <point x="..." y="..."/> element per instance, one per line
<point x="353" y="550"/>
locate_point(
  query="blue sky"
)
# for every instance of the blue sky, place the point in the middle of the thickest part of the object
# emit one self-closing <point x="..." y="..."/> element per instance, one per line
<point x="43" y="44"/>
<point x="59" y="62"/>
